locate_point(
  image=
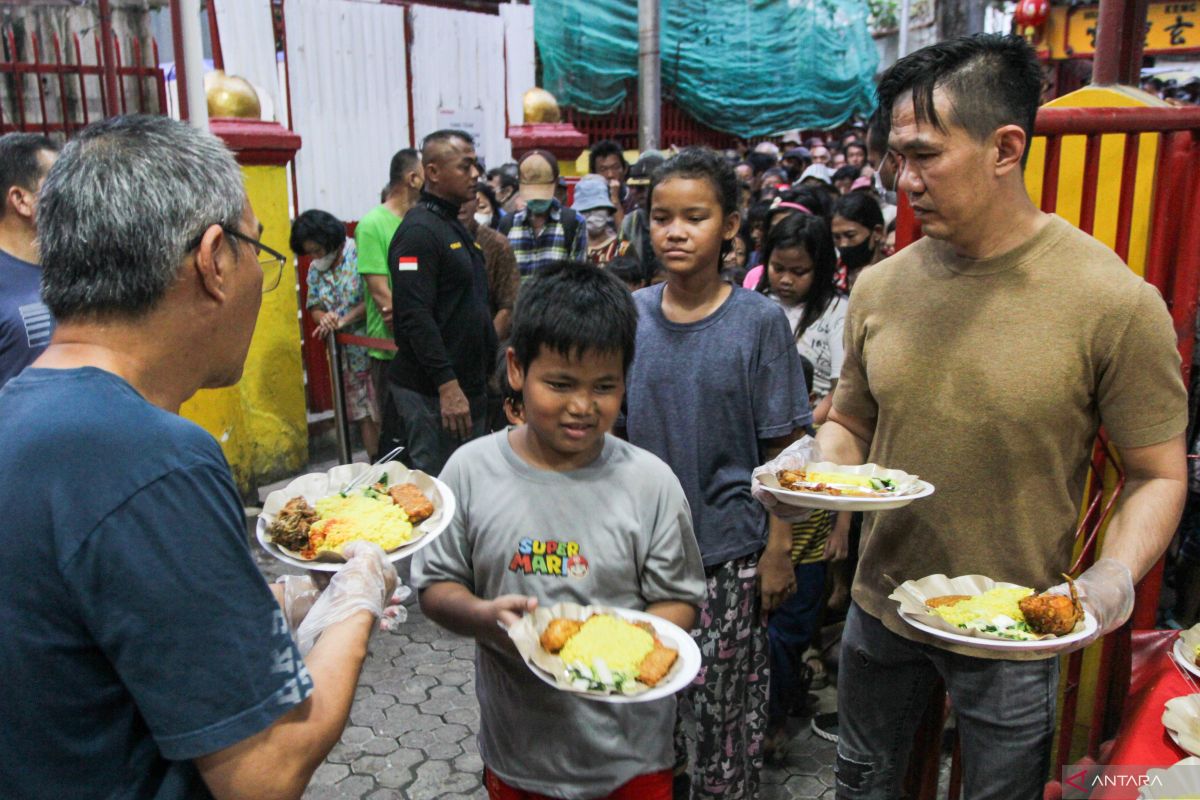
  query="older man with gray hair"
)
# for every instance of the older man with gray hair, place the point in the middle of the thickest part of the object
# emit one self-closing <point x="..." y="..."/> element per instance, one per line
<point x="152" y="659"/>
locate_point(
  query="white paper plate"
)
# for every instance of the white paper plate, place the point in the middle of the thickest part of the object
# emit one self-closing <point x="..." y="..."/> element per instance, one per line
<point x="526" y="633"/>
<point x="1181" y="718"/>
<point x="1185" y="650"/>
<point x="908" y="488"/>
<point x="1173" y="783"/>
<point x="833" y="503"/>
<point x="316" y="485"/>
<point x="911" y="596"/>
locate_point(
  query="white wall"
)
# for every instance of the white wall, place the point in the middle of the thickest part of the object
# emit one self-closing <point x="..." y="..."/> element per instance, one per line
<point x="349" y="100"/>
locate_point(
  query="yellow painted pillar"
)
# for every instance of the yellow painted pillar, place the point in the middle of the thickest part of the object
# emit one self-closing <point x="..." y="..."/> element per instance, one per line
<point x="261" y="422"/>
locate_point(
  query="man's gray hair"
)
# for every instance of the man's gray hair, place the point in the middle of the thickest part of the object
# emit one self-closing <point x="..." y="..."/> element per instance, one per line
<point x="120" y="208"/>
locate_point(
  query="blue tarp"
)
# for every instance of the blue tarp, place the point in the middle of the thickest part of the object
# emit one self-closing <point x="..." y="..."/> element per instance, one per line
<point x="746" y="67"/>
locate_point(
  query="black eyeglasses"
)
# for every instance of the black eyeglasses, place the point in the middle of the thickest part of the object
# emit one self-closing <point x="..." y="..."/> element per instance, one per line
<point x="270" y="260"/>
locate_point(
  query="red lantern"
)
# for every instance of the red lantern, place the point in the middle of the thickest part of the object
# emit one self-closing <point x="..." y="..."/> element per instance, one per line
<point x="1031" y="15"/>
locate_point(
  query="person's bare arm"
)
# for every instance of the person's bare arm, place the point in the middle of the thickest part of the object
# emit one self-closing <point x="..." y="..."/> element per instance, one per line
<point x="776" y="576"/>
<point x="845" y="439"/>
<point x="456" y="609"/>
<point x="681" y="613"/>
<point x="822" y="409"/>
<point x="502" y="322"/>
<point x="279" y="761"/>
<point x="381" y="293"/>
<point x="1149" y="507"/>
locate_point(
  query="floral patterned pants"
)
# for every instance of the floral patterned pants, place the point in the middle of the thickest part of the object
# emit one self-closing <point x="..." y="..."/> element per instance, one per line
<point x="723" y="714"/>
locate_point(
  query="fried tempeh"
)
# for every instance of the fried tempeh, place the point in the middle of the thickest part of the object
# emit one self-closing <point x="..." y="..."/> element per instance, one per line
<point x="558" y="632"/>
<point x="414" y="502"/>
<point x="657" y="663"/>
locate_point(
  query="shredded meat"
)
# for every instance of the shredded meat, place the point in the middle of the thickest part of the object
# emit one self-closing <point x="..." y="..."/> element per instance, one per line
<point x="290" y="528"/>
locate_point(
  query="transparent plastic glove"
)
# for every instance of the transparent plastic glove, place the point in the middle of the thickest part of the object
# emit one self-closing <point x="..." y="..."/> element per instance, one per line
<point x="794" y="456"/>
<point x="299" y="594"/>
<point x="1106" y="591"/>
<point x="395" y="614"/>
<point x="365" y="582"/>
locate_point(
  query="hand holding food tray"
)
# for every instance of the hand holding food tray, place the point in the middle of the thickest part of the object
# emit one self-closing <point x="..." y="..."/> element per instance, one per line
<point x="980" y="612"/>
<point x="612" y="655"/>
<point x="306" y="523"/>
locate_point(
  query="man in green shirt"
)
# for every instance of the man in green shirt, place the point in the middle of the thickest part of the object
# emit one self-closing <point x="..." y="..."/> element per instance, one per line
<point x="373" y="236"/>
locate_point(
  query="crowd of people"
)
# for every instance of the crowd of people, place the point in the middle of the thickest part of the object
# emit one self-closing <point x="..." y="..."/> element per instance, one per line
<point x="604" y="375"/>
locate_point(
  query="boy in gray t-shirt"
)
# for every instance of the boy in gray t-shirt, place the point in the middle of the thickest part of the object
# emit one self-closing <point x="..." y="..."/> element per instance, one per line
<point x="558" y="510"/>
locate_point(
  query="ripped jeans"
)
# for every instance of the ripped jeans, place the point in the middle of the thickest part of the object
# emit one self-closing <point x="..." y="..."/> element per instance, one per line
<point x="1005" y="712"/>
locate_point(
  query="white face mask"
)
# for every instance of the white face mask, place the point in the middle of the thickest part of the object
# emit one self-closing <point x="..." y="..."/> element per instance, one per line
<point x="324" y="262"/>
<point x="483" y="219"/>
<point x="597" y="221"/>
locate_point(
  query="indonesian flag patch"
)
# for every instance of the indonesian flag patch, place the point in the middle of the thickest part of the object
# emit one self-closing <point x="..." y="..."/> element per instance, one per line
<point x="406" y="264"/>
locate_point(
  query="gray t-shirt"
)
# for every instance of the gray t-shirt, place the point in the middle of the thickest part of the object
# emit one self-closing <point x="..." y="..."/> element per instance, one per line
<point x="701" y="396"/>
<point x="616" y="533"/>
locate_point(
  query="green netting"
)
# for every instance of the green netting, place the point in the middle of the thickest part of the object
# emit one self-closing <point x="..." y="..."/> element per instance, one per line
<point x="746" y="67"/>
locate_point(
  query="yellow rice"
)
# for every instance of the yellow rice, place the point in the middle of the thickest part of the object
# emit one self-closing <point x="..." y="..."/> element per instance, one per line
<point x="346" y="519"/>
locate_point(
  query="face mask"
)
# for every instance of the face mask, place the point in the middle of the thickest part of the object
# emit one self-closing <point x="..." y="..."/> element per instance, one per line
<point x="483" y="219"/>
<point x="859" y="255"/>
<point x="323" y="263"/>
<point x="538" y="206"/>
<point x="597" y="221"/>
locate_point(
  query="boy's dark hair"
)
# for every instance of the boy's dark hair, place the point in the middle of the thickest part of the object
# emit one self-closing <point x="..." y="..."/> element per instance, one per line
<point x="989" y="79"/>
<point x="319" y="227"/>
<point x="573" y="308"/>
<point x="603" y="149"/>
<point x="847" y="172"/>
<point x="859" y="207"/>
<point x="627" y="269"/>
<point x="811" y="234"/>
<point x="403" y="162"/>
<point x="506" y="390"/>
<point x="19" y="164"/>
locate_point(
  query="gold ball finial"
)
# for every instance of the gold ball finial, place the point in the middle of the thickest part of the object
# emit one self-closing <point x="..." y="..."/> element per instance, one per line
<point x="540" y="106"/>
<point x="231" y="96"/>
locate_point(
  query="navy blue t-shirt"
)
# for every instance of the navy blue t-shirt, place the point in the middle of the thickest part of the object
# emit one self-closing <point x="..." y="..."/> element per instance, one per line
<point x="137" y="633"/>
<point x="702" y="395"/>
<point x="25" y="322"/>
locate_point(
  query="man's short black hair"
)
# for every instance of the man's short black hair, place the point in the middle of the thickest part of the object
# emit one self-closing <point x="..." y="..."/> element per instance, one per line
<point x="404" y="162"/>
<point x="319" y="227"/>
<point x="605" y="149"/>
<point x="441" y="137"/>
<point x="878" y="127"/>
<point x="573" y="309"/>
<point x="19" y="164"/>
<point x="989" y="79"/>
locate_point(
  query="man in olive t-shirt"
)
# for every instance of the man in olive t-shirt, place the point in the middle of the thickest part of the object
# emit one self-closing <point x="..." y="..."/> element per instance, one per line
<point x="984" y="358"/>
<point x="372" y="236"/>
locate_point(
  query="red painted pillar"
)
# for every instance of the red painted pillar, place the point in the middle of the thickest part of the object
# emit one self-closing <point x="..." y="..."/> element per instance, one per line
<point x="112" y="105"/>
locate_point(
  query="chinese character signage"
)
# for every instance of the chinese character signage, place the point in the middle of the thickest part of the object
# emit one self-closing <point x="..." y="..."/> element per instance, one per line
<point x="1171" y="27"/>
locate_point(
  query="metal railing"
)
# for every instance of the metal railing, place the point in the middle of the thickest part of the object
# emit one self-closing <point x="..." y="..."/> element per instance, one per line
<point x="334" y="347"/>
<point x="55" y="91"/>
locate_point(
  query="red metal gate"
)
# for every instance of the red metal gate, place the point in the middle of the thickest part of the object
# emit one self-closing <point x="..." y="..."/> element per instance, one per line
<point x="51" y="89"/>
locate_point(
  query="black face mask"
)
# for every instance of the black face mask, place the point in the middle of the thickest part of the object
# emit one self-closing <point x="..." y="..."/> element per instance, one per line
<point x="859" y="255"/>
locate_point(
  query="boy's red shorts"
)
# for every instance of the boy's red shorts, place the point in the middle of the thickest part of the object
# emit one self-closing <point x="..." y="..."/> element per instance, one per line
<point x="651" y="786"/>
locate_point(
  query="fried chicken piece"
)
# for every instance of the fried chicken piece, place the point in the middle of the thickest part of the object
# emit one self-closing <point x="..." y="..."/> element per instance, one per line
<point x="555" y="637"/>
<point x="946" y="600"/>
<point x="414" y="502"/>
<point x="657" y="663"/>
<point x="1052" y="613"/>
<point x="290" y="528"/>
